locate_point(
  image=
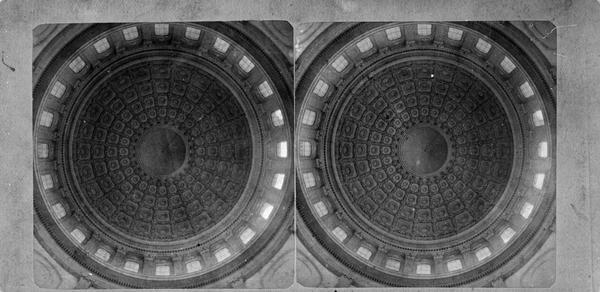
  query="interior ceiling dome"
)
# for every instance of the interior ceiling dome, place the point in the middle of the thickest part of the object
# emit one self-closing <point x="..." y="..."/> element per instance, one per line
<point x="157" y="148"/>
<point x="425" y="153"/>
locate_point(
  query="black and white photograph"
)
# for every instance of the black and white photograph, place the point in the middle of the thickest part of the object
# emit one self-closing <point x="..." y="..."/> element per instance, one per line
<point x="426" y="154"/>
<point x="299" y="145"/>
<point x="163" y="155"/>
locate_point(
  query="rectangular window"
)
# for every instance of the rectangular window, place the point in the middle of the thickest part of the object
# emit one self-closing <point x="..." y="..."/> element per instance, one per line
<point x="42" y="150"/>
<point x="247" y="235"/>
<point x="309" y="179"/>
<point x="364" y="252"/>
<point x="58" y="89"/>
<point x="221" y="45"/>
<point x="507" y="65"/>
<point x="483" y="253"/>
<point x="392" y="265"/>
<point x="340" y="64"/>
<point x="483" y="46"/>
<point x="282" y="149"/>
<point x="321" y="88"/>
<point x="423" y="29"/>
<point x="161" y="29"/>
<point x="526" y="89"/>
<point x="78" y="235"/>
<point x="101" y="46"/>
<point x="364" y="45"/>
<point x="77" y="65"/>
<point x="130" y="33"/>
<point x="309" y="117"/>
<point x="163" y="270"/>
<point x="423" y="269"/>
<point x="339" y="233"/>
<point x="320" y="208"/>
<point x="222" y="254"/>
<point x="192" y="34"/>
<point x="393" y="33"/>
<point x="46" y="119"/>
<point x="278" y="180"/>
<point x="277" y="118"/>
<point x="265" y="89"/>
<point x="266" y="210"/>
<point x="246" y="64"/>
<point x="132" y="266"/>
<point x="454" y="265"/>
<point x="193" y="266"/>
<point x="455" y="34"/>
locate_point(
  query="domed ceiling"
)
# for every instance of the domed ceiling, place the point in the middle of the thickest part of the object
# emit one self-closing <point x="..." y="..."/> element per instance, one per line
<point x="162" y="153"/>
<point x="425" y="152"/>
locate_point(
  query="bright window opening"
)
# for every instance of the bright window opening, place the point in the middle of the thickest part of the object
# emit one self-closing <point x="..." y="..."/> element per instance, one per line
<point x="42" y="150"/>
<point x="265" y="89"/>
<point x="507" y="65"/>
<point x="309" y="179"/>
<point x="246" y="64"/>
<point x="47" y="181"/>
<point x="78" y="235"/>
<point x="162" y="270"/>
<point x="193" y="266"/>
<point x="483" y="253"/>
<point x="339" y="233"/>
<point x="321" y="88"/>
<point x="526" y="210"/>
<point x="538" y="181"/>
<point x="340" y="64"/>
<point x="77" y="64"/>
<point x="320" y="208"/>
<point x="192" y="34"/>
<point x="102" y="254"/>
<point x="305" y="148"/>
<point x="278" y="180"/>
<point x="59" y="210"/>
<point x="423" y="269"/>
<point x="538" y="118"/>
<point x="222" y="254"/>
<point x="101" y="46"/>
<point x="266" y="210"/>
<point x="364" y="45"/>
<point x="58" y="89"/>
<point x="221" y="45"/>
<point x="526" y="89"/>
<point x="483" y="46"/>
<point x="454" y="265"/>
<point x="455" y="34"/>
<point x="161" y="29"/>
<point x="364" y="253"/>
<point x="393" y="33"/>
<point x="247" y="235"/>
<point x="132" y="266"/>
<point x="543" y="149"/>
<point x="392" y="265"/>
<point x="309" y="117"/>
<point x="423" y="29"/>
<point x="130" y="33"/>
<point x="46" y="119"/>
<point x="507" y="234"/>
<point x="282" y="149"/>
<point x="277" y="118"/>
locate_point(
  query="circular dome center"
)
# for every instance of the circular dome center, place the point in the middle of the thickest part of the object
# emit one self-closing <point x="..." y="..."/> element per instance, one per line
<point x="161" y="151"/>
<point x="423" y="150"/>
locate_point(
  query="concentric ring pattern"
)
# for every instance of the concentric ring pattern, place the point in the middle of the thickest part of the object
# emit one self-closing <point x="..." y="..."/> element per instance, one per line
<point x="425" y="153"/>
<point x="162" y="153"/>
